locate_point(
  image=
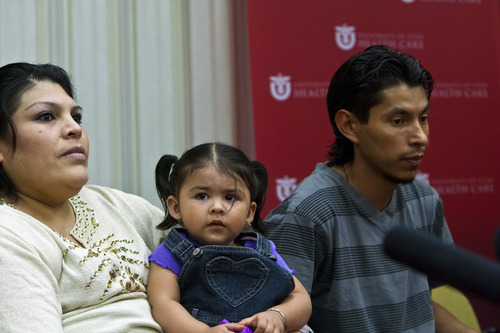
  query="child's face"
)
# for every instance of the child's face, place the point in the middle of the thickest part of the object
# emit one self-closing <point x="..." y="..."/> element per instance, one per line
<point x="212" y="206"/>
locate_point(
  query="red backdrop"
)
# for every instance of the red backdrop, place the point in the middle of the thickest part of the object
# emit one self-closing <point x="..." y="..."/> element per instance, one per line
<point x="296" y="46"/>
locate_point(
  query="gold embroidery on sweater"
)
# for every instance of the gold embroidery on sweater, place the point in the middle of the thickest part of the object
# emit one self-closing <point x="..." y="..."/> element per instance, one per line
<point x="120" y="272"/>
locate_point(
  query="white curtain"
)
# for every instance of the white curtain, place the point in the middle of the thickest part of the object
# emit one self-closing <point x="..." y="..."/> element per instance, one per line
<point x="153" y="76"/>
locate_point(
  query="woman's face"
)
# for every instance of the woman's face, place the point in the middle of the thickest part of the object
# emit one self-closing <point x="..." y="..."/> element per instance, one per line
<point x="50" y="159"/>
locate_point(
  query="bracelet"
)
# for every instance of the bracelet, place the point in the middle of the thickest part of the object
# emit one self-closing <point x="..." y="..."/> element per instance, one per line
<point x="282" y="315"/>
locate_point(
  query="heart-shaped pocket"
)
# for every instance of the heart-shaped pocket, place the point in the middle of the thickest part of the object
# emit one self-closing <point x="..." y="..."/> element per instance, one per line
<point x="236" y="281"/>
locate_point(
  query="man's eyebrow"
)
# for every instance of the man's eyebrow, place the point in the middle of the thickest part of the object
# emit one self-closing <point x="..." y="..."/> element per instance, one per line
<point x="425" y="109"/>
<point x="398" y="110"/>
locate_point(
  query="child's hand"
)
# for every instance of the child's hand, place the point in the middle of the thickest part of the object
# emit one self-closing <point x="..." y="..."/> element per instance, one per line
<point x="225" y="328"/>
<point x="265" y="322"/>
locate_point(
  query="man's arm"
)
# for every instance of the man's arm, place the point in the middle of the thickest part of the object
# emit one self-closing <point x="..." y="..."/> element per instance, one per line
<point x="448" y="323"/>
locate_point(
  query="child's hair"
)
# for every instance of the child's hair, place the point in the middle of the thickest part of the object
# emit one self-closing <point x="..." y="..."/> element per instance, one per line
<point x="171" y="172"/>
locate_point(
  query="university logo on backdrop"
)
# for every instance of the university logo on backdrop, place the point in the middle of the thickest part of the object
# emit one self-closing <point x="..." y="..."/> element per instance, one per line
<point x="280" y="87"/>
<point x="285" y="187"/>
<point x="345" y="37"/>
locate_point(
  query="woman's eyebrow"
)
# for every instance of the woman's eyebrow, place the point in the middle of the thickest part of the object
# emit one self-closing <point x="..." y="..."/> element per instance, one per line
<point x="53" y="104"/>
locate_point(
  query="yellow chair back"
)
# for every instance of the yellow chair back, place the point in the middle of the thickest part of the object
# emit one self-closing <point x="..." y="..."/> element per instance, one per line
<point x="457" y="304"/>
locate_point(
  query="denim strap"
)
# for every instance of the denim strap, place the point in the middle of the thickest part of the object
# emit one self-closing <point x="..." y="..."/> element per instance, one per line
<point x="262" y="244"/>
<point x="178" y="245"/>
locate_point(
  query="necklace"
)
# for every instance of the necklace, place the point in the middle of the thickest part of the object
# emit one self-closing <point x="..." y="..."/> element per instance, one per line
<point x="85" y="224"/>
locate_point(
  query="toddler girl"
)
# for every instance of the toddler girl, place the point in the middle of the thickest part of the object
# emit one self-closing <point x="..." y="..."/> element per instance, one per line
<point x="215" y="271"/>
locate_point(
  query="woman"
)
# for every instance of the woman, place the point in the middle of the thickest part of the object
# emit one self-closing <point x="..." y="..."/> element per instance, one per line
<point x="73" y="258"/>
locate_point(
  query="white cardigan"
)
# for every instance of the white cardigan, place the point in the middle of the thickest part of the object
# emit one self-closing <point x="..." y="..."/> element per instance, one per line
<point x="49" y="285"/>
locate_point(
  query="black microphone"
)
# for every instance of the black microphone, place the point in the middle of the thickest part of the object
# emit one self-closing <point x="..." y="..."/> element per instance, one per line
<point x="464" y="270"/>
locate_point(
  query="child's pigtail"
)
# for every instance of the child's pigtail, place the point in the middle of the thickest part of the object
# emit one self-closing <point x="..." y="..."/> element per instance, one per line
<point x="165" y="174"/>
<point x="260" y="182"/>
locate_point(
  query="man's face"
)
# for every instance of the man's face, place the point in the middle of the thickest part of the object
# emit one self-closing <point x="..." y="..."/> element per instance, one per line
<point x="392" y="143"/>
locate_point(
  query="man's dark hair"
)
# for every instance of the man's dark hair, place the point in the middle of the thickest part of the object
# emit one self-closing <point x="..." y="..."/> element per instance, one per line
<point x="357" y="86"/>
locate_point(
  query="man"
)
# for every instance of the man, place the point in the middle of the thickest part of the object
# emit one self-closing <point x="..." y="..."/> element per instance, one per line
<point x="331" y="229"/>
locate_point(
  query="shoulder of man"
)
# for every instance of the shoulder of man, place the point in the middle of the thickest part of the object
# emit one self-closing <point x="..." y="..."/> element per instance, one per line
<point x="318" y="197"/>
<point x="417" y="189"/>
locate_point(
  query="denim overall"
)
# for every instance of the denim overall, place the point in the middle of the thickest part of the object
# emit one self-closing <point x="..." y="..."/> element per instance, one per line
<point x="228" y="282"/>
